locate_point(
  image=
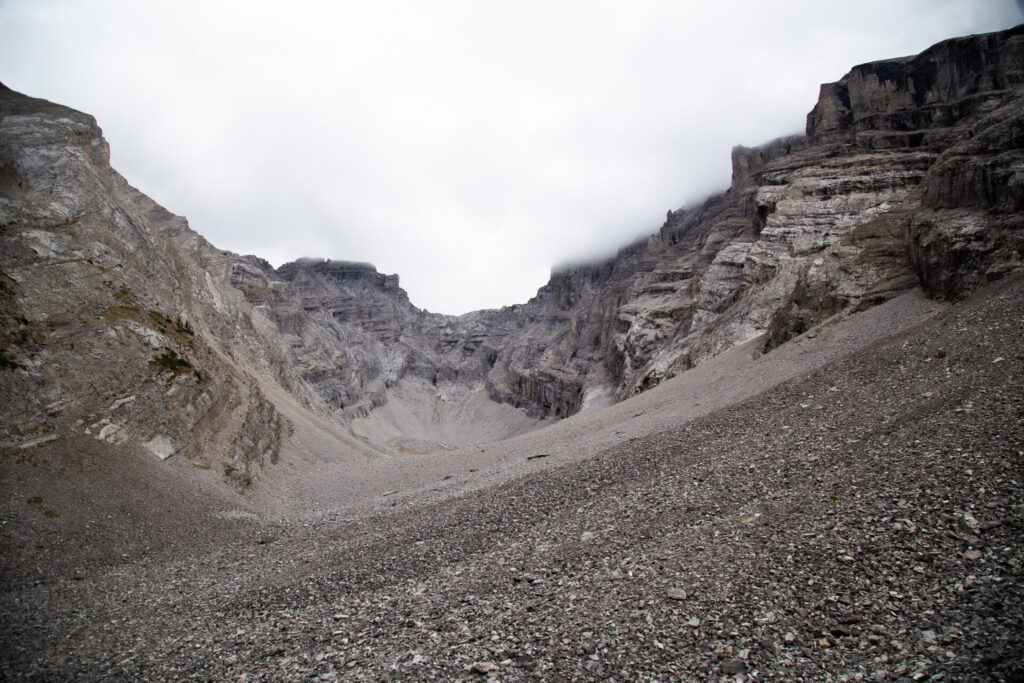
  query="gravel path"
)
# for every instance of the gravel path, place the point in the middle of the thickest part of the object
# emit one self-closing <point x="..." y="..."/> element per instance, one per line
<point x="861" y="522"/>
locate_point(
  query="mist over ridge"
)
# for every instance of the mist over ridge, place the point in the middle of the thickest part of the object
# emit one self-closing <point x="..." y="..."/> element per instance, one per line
<point x="466" y="148"/>
<point x="778" y="437"/>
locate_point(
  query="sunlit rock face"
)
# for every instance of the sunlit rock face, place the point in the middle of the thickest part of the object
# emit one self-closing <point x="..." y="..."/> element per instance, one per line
<point x="120" y="323"/>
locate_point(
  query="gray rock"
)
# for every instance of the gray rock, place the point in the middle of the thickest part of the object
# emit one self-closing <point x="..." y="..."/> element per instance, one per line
<point x="908" y="175"/>
<point x="733" y="666"/>
<point x="482" y="668"/>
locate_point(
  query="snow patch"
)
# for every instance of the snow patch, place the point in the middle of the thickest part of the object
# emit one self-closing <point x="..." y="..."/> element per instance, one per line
<point x="595" y="398"/>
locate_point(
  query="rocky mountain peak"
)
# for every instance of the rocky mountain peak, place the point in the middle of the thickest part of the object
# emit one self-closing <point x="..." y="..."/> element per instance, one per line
<point x="339" y="273"/>
<point x="214" y="469"/>
<point x="908" y="176"/>
<point x="907" y="96"/>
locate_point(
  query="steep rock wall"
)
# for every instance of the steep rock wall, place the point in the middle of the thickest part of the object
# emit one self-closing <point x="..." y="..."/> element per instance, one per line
<point x="812" y="226"/>
<point x="121" y="322"/>
<point x="108" y="327"/>
<point x="910" y="173"/>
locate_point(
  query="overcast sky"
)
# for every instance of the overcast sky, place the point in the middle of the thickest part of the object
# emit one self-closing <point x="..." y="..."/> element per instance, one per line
<point x="468" y="146"/>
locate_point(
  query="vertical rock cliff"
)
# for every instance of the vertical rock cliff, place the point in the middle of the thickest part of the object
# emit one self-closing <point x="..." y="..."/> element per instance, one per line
<point x="120" y="323"/>
<point x="910" y="173"/>
<point x="111" y="327"/>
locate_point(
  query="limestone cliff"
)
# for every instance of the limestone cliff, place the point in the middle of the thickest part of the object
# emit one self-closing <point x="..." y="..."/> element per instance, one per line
<point x="911" y="173"/>
<point x="120" y="322"/>
<point x="110" y="324"/>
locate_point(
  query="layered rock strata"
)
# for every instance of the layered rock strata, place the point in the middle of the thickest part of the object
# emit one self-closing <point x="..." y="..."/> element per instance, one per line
<point x="911" y="173"/>
<point x="120" y="322"/>
<point x="111" y="323"/>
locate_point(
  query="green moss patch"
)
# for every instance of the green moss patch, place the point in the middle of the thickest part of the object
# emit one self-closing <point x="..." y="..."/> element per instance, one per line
<point x="170" y="361"/>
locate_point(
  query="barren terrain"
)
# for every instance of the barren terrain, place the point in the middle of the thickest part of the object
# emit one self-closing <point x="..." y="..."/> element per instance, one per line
<point x="780" y="438"/>
<point x="861" y="520"/>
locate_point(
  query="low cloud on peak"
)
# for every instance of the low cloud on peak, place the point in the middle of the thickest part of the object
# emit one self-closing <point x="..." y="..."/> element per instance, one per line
<point x="465" y="146"/>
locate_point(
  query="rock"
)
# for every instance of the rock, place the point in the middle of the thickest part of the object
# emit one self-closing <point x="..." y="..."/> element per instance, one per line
<point x="675" y="594"/>
<point x="120" y="402"/>
<point x="433" y="576"/>
<point x="160" y="446"/>
<point x="111" y="432"/>
<point x="129" y="283"/>
<point x="733" y="666"/>
<point x="482" y="668"/>
<point x="907" y="175"/>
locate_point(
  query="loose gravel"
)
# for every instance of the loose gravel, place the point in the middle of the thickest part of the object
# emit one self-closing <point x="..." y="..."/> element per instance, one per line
<point x="861" y="522"/>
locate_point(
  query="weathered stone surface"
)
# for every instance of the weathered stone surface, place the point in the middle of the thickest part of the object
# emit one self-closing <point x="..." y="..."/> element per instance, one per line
<point x="945" y="84"/>
<point x="105" y="296"/>
<point x="910" y="174"/>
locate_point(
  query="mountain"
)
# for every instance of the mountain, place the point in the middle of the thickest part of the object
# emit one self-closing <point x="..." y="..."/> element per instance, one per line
<point x="781" y="439"/>
<point x="121" y="324"/>
<point x="905" y="178"/>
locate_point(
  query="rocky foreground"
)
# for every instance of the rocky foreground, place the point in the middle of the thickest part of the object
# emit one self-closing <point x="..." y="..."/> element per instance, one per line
<point x="861" y="522"/>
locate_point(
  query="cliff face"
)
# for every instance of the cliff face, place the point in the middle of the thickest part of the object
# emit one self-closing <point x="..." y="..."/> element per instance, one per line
<point x="110" y="325"/>
<point x="120" y="322"/>
<point x="910" y="174"/>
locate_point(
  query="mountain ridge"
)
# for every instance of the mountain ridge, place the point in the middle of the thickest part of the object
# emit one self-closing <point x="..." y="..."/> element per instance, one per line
<point x="906" y="177"/>
<point x="793" y="448"/>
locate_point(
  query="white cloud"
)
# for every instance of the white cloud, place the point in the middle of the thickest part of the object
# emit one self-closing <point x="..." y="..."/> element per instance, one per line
<point x="467" y="146"/>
